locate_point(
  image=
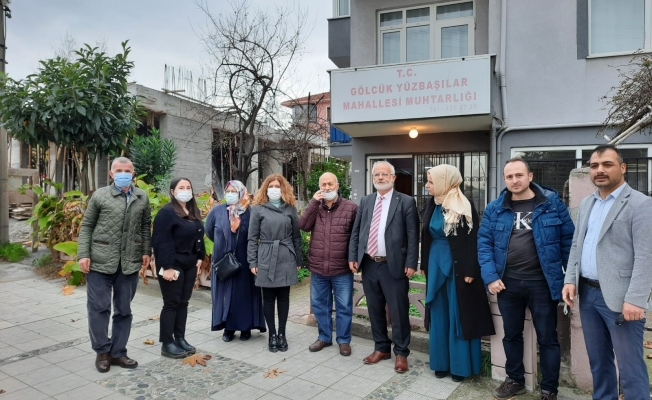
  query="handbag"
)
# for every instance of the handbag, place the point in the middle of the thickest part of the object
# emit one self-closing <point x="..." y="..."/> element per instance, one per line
<point x="228" y="264"/>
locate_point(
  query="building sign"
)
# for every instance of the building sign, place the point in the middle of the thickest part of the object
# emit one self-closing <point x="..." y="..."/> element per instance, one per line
<point x="432" y="89"/>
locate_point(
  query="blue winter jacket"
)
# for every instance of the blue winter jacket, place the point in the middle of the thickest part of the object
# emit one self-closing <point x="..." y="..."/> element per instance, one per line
<point x="553" y="235"/>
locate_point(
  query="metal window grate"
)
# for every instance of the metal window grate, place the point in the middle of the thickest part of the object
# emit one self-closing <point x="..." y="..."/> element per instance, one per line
<point x="472" y="166"/>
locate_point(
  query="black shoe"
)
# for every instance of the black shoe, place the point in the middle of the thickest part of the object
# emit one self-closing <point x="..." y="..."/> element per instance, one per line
<point x="245" y="335"/>
<point x="509" y="389"/>
<point x="546" y="395"/>
<point x="457" y="378"/>
<point x="441" y="374"/>
<point x="282" y="342"/>
<point x="273" y="343"/>
<point x="183" y="345"/>
<point x="171" y="350"/>
<point x="228" y="335"/>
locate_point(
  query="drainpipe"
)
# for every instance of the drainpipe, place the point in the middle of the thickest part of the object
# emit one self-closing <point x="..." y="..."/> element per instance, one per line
<point x="495" y="139"/>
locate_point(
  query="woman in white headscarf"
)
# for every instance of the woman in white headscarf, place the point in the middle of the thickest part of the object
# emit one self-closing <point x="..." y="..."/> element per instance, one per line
<point x="237" y="302"/>
<point x="457" y="308"/>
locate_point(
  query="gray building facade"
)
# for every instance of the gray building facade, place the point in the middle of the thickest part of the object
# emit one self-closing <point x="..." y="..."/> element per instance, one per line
<point x="543" y="69"/>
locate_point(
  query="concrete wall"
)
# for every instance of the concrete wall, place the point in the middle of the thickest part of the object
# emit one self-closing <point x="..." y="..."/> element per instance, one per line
<point x="424" y="143"/>
<point x="546" y="82"/>
<point x="193" y="140"/>
<point x="364" y="26"/>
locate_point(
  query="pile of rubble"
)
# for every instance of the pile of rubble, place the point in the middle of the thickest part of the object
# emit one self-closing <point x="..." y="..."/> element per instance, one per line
<point x="20" y="211"/>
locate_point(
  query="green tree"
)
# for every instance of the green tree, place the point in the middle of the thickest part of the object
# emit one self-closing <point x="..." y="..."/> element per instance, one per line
<point x="80" y="104"/>
<point x="155" y="158"/>
<point x="338" y="167"/>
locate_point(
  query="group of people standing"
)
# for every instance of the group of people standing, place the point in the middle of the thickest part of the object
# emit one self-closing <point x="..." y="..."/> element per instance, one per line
<point x="525" y="251"/>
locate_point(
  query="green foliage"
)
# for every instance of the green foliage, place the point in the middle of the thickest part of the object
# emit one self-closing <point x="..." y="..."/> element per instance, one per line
<point x="70" y="269"/>
<point x="13" y="252"/>
<point x="82" y="105"/>
<point x="305" y="244"/>
<point x="485" y="366"/>
<point x="303" y="273"/>
<point x="43" y="261"/>
<point x="58" y="217"/>
<point x="155" y="158"/>
<point x="156" y="199"/>
<point x="338" y="167"/>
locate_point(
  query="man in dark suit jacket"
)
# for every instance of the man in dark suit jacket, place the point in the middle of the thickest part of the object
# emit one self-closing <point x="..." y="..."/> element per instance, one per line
<point x="384" y="246"/>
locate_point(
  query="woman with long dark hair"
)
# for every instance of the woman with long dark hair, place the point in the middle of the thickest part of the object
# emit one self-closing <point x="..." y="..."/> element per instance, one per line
<point x="457" y="306"/>
<point x="178" y="242"/>
<point x="274" y="252"/>
<point x="237" y="302"/>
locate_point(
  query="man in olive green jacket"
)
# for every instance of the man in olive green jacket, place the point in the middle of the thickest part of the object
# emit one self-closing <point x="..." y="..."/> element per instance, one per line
<point x="114" y="244"/>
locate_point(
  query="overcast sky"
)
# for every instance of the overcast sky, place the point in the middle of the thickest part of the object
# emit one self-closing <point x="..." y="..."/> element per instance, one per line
<point x="159" y="31"/>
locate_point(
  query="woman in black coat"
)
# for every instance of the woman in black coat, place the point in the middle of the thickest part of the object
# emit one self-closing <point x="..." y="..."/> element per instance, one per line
<point x="457" y="306"/>
<point x="178" y="242"/>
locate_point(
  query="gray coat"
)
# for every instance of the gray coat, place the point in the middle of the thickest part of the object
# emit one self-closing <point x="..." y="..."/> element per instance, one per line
<point x="274" y="245"/>
<point x="624" y="254"/>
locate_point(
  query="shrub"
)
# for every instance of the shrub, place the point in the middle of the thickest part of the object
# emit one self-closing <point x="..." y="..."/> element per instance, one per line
<point x="154" y="158"/>
<point x="13" y="252"/>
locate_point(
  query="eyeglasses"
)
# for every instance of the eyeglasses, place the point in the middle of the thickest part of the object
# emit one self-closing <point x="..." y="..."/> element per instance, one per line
<point x="379" y="174"/>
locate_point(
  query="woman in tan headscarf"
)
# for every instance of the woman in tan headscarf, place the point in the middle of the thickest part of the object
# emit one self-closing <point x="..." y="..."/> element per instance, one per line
<point x="457" y="308"/>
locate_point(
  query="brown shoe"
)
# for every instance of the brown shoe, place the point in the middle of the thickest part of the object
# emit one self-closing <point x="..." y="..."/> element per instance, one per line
<point x="124" y="362"/>
<point x="376" y="356"/>
<point x="103" y="362"/>
<point x="319" y="345"/>
<point x="345" y="349"/>
<point x="401" y="365"/>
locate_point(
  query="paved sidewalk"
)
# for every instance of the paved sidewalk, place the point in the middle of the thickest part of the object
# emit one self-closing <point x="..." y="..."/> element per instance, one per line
<point x="45" y="353"/>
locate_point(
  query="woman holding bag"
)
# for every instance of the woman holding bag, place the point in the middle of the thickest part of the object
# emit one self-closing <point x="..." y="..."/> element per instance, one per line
<point x="457" y="310"/>
<point x="178" y="243"/>
<point x="274" y="252"/>
<point x="237" y="302"/>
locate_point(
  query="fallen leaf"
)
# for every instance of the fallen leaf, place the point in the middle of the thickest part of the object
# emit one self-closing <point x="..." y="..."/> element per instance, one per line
<point x="196" y="359"/>
<point x="273" y="373"/>
<point x="148" y="341"/>
<point x="67" y="289"/>
<point x="205" y="370"/>
<point x="647" y="344"/>
<point x="74" y="320"/>
<point x="2" y="391"/>
<point x="154" y="318"/>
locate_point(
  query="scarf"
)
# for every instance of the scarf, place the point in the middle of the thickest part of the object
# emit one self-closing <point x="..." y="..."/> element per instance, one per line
<point x="446" y="186"/>
<point x="237" y="209"/>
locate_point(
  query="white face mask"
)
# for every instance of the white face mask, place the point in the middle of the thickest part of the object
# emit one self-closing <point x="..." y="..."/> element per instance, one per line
<point x="231" y="198"/>
<point x="329" y="196"/>
<point x="274" y="194"/>
<point x="183" y="196"/>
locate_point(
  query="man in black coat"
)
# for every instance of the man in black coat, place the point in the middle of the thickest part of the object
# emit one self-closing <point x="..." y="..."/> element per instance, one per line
<point x="384" y="246"/>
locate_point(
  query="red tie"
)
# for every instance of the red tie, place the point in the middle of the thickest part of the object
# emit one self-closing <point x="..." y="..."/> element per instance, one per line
<point x="372" y="245"/>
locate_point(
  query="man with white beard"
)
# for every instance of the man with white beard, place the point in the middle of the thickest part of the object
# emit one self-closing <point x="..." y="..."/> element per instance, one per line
<point x="385" y="247"/>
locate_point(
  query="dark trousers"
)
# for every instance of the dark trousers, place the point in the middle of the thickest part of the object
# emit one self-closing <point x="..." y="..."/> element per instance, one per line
<point x="381" y="289"/>
<point x="512" y="301"/>
<point x="604" y="338"/>
<point x="176" y="295"/>
<point x="98" y="302"/>
<point x="281" y="297"/>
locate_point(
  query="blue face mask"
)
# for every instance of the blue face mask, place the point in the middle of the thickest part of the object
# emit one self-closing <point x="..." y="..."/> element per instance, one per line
<point x="231" y="198"/>
<point x="122" y="179"/>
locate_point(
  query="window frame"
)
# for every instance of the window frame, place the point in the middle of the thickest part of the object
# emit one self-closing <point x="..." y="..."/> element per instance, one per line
<point x="648" y="34"/>
<point x="336" y="9"/>
<point x="434" y="25"/>
<point x="579" y="149"/>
